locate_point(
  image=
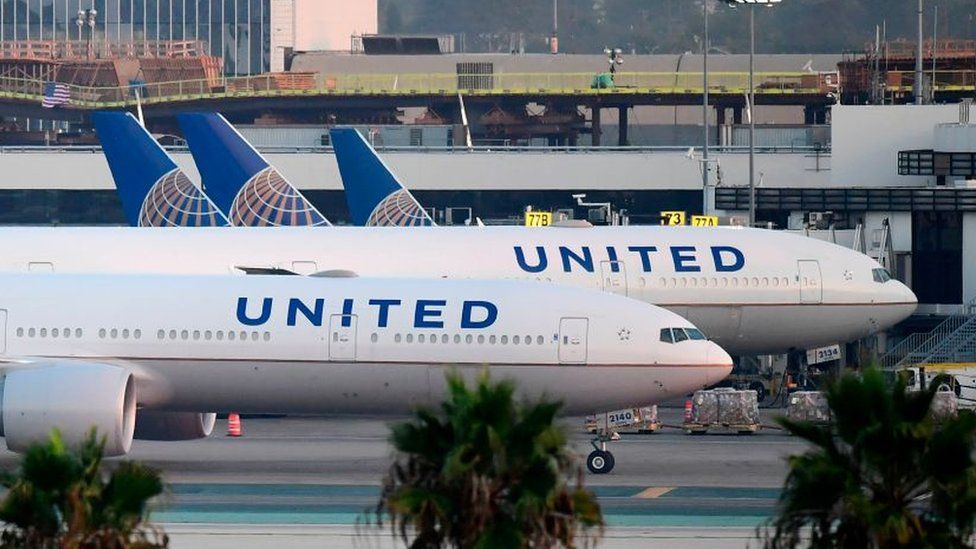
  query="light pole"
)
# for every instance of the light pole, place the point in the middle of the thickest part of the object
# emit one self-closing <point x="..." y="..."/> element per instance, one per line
<point x="706" y="209"/>
<point x="87" y="18"/>
<point x="752" y="97"/>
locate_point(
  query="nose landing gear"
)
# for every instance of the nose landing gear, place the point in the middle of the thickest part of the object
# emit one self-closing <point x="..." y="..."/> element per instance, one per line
<point x="600" y="461"/>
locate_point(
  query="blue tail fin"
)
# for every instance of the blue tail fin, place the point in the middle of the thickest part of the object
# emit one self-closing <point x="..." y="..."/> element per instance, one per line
<point x="244" y="186"/>
<point x="154" y="191"/>
<point x="375" y="196"/>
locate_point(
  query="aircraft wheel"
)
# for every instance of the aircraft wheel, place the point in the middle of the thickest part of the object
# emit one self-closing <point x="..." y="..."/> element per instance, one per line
<point x="600" y="462"/>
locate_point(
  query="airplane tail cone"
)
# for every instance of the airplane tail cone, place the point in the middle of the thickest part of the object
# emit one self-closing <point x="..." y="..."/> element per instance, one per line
<point x="234" y="428"/>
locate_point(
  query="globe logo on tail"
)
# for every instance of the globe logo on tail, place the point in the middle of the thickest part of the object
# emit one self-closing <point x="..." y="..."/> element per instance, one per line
<point x="399" y="209"/>
<point x="174" y="201"/>
<point x="267" y="199"/>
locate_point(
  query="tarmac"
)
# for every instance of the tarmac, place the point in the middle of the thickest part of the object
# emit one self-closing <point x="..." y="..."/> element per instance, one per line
<point x="310" y="482"/>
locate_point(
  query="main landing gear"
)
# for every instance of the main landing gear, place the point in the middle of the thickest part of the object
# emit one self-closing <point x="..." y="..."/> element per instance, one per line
<point x="600" y="461"/>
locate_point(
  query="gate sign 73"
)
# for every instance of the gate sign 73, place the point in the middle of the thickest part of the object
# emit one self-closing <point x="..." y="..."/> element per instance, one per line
<point x="673" y="218"/>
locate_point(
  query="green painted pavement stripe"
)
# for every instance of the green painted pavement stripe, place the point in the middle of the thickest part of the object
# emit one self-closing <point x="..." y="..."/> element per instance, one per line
<point x="699" y="521"/>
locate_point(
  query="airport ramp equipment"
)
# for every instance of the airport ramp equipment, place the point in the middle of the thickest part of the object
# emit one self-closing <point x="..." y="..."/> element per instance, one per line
<point x="945" y="404"/>
<point x="246" y="188"/>
<point x="724" y="408"/>
<point x="375" y="196"/>
<point x="154" y="191"/>
<point x="809" y="406"/>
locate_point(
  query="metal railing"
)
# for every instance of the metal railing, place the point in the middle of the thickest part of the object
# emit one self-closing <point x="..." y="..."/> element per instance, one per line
<point x="478" y="149"/>
<point x="918" y="348"/>
<point x="286" y="84"/>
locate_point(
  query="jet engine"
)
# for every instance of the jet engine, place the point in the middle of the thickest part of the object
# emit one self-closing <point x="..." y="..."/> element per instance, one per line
<point x="72" y="398"/>
<point x="172" y="426"/>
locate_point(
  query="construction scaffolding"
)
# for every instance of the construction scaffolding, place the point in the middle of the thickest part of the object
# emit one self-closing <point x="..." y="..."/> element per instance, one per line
<point x="885" y="71"/>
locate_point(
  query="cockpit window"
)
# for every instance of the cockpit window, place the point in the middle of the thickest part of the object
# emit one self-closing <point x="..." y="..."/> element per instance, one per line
<point x="695" y="333"/>
<point x="666" y="335"/>
<point x="880" y="275"/>
<point x="679" y="335"/>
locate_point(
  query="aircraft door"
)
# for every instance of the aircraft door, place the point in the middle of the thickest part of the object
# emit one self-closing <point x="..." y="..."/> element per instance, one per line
<point x="811" y="283"/>
<point x="3" y="332"/>
<point x="614" y="277"/>
<point x="572" y="340"/>
<point x="342" y="337"/>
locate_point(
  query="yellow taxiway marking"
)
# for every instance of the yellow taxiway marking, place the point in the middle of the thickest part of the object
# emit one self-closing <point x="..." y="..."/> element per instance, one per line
<point x="653" y="492"/>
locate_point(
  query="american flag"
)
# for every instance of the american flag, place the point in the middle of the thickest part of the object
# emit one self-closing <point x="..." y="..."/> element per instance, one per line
<point x="55" y="94"/>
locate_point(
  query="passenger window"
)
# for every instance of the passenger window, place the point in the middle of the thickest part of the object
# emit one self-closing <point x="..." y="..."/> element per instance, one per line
<point x="666" y="335"/>
<point x="421" y="338"/>
<point x="54" y="332"/>
<point x="468" y="339"/>
<point x="540" y="340"/>
<point x="374" y="338"/>
<point x="504" y="340"/>
<point x="481" y="340"/>
<point x="516" y="340"/>
<point x="78" y="332"/>
<point x="679" y="335"/>
<point x="397" y="338"/>
<point x="457" y="338"/>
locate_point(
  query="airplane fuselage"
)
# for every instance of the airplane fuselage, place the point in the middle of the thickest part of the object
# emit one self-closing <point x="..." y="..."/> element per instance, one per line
<point x="751" y="291"/>
<point x="310" y="345"/>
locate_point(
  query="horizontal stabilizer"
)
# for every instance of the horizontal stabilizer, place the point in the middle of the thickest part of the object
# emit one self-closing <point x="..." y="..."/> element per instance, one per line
<point x="153" y="190"/>
<point x="375" y="196"/>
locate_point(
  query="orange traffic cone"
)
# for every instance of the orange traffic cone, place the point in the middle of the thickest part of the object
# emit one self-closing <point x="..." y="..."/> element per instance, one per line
<point x="688" y="411"/>
<point x="234" y="425"/>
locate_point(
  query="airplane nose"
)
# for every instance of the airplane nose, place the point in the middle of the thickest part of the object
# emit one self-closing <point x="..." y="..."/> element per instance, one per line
<point x="719" y="363"/>
<point x="905" y="294"/>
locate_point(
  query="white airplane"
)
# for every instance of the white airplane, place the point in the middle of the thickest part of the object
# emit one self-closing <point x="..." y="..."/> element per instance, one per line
<point x="752" y="291"/>
<point x="79" y="351"/>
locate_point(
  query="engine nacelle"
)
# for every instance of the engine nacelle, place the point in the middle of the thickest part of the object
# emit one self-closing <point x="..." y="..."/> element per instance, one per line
<point x="72" y="398"/>
<point x="173" y="426"/>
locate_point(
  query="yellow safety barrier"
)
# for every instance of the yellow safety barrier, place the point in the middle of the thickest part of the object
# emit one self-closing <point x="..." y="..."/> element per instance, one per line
<point x="392" y="85"/>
